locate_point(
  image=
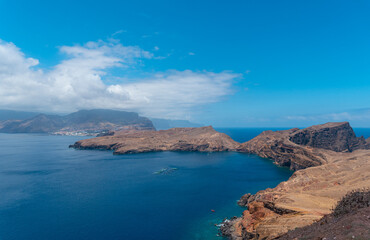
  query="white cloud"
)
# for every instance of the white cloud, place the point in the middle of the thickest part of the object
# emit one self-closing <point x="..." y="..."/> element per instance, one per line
<point x="191" y="53"/>
<point x="76" y="82"/>
<point x="118" y="32"/>
<point x="358" y="117"/>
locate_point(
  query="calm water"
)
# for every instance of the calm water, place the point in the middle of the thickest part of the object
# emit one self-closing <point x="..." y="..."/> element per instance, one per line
<point x="49" y="191"/>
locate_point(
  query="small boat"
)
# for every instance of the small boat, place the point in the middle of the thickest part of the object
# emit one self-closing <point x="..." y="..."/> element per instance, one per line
<point x="165" y="171"/>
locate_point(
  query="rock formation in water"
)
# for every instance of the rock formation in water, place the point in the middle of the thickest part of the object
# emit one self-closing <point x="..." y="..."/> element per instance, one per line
<point x="333" y="161"/>
<point x="203" y="139"/>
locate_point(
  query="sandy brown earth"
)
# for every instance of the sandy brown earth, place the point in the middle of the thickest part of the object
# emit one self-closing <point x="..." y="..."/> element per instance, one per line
<point x="203" y="139"/>
<point x="349" y="220"/>
<point x="310" y="193"/>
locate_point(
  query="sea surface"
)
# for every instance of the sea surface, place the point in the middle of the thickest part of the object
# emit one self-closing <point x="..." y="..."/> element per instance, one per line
<point x="49" y="191"/>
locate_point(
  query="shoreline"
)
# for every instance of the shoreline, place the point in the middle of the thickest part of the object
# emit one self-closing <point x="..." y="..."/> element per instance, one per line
<point x="328" y="160"/>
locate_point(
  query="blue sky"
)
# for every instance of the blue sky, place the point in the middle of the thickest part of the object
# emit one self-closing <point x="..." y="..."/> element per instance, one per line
<point x="225" y="63"/>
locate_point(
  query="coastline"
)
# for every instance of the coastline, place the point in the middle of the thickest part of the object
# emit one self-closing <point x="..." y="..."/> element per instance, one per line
<point x="312" y="191"/>
<point x="328" y="160"/>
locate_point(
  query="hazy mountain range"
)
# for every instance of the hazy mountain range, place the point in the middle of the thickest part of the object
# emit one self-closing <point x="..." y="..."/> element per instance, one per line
<point x="82" y="122"/>
<point x="163" y="124"/>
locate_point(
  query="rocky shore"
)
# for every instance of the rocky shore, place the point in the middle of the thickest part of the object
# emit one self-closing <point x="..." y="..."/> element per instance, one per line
<point x="329" y="161"/>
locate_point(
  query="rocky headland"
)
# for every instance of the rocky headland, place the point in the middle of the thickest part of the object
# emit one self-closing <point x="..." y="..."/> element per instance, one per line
<point x="330" y="161"/>
<point x="203" y="139"/>
<point x="302" y="148"/>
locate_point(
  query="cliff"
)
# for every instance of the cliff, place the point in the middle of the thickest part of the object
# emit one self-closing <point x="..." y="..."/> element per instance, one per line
<point x="299" y="149"/>
<point x="332" y="160"/>
<point x="335" y="136"/>
<point x="203" y="139"/>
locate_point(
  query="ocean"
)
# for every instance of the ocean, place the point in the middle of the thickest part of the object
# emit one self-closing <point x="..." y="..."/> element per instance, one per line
<point x="49" y="191"/>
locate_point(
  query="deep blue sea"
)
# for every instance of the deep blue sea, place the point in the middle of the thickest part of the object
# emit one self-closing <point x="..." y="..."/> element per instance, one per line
<point x="48" y="191"/>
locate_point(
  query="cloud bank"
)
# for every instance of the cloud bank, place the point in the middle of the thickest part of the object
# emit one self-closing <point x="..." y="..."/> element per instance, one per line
<point x="78" y="82"/>
<point x="359" y="117"/>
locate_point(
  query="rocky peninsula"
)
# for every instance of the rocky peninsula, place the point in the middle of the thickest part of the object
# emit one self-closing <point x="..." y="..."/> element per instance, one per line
<point x="203" y="139"/>
<point x="329" y="161"/>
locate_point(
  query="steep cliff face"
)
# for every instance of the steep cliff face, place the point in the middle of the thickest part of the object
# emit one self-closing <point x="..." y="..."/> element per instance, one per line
<point x="203" y="139"/>
<point x="299" y="149"/>
<point x="337" y="137"/>
<point x="277" y="146"/>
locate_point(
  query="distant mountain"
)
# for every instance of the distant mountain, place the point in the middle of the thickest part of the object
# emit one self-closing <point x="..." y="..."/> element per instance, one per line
<point x="15" y="115"/>
<point x="164" y="124"/>
<point x="88" y="121"/>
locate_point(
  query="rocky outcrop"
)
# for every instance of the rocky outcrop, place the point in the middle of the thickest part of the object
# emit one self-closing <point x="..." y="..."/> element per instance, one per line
<point x="203" y="139"/>
<point x="278" y="147"/>
<point x="337" y="137"/>
<point x="299" y="149"/>
<point x="312" y="192"/>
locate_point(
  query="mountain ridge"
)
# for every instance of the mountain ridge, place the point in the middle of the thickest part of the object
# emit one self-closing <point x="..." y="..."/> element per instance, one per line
<point x="89" y="121"/>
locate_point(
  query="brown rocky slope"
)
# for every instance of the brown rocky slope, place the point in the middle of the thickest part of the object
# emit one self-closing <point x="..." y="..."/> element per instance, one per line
<point x="332" y="160"/>
<point x="299" y="149"/>
<point x="203" y="139"/>
<point x="350" y="220"/>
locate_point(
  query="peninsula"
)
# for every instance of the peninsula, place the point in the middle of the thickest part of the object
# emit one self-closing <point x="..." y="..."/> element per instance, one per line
<point x="329" y="161"/>
<point x="203" y="139"/>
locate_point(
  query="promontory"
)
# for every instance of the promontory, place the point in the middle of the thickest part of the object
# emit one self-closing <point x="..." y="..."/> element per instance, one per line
<point x="329" y="161"/>
<point x="202" y="139"/>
